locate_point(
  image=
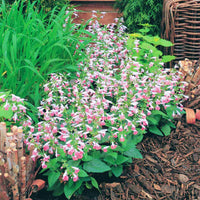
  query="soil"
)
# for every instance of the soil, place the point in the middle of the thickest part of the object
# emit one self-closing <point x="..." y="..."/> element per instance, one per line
<point x="170" y="170"/>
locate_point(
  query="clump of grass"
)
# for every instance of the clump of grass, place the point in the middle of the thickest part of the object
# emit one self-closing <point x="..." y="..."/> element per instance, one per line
<point x="34" y="44"/>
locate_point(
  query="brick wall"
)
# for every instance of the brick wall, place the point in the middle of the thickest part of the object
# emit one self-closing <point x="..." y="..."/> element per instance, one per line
<point x="88" y="6"/>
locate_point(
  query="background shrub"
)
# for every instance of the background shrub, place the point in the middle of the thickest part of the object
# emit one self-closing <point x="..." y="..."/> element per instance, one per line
<point x="137" y="12"/>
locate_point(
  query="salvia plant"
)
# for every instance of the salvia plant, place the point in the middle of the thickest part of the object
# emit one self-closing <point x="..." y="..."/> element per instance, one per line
<point x="92" y="124"/>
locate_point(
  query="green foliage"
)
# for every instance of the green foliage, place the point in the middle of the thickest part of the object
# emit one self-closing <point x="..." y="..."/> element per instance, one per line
<point x="46" y="5"/>
<point x="149" y="45"/>
<point x="32" y="46"/>
<point x="137" y="12"/>
<point x="161" y="122"/>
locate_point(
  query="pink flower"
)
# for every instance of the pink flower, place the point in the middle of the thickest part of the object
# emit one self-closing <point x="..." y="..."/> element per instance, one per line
<point x="46" y="146"/>
<point x="6" y="106"/>
<point x="76" y="170"/>
<point x="120" y="129"/>
<point x="14" y="107"/>
<point x="46" y="158"/>
<point x="122" y="138"/>
<point x="21" y="107"/>
<point x="75" y="177"/>
<point x="54" y="130"/>
<point x="157" y="107"/>
<point x="71" y="151"/>
<point x="122" y="116"/>
<point x="44" y="165"/>
<point x="105" y="149"/>
<point x="65" y="176"/>
<point x="113" y="146"/>
<point x="135" y="132"/>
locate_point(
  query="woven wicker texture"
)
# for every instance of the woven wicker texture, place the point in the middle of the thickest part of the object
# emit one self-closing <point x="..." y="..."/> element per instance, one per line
<point x="181" y="25"/>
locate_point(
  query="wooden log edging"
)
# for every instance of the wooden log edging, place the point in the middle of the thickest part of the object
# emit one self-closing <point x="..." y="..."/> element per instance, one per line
<point x="16" y="168"/>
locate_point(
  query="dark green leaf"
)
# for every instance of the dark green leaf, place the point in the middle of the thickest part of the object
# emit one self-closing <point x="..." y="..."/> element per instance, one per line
<point x="96" y="166"/>
<point x="52" y="178"/>
<point x="133" y="152"/>
<point x="121" y="159"/>
<point x="166" y="129"/>
<point x="117" y="171"/>
<point x="152" y="120"/>
<point x="155" y="130"/>
<point x="94" y="183"/>
<point x="69" y="189"/>
<point x="82" y="173"/>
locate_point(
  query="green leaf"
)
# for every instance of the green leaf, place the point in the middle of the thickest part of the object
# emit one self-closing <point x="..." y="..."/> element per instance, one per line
<point x="58" y="190"/>
<point x="165" y="43"/>
<point x="82" y="173"/>
<point x="121" y="159"/>
<point x="69" y="189"/>
<point x="168" y="58"/>
<point x="117" y="171"/>
<point x="152" y="120"/>
<point x="155" y="130"/>
<point x="158" y="112"/>
<point x="53" y="164"/>
<point x="86" y="157"/>
<point x="110" y="160"/>
<point x="53" y="177"/>
<point x="112" y="154"/>
<point x="94" y="183"/>
<point x="88" y="185"/>
<point x="133" y="152"/>
<point x="96" y="166"/>
<point x="171" y="124"/>
<point x="170" y="109"/>
<point x="166" y="129"/>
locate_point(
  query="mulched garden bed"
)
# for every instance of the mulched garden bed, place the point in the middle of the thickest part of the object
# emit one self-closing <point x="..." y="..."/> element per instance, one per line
<point x="170" y="170"/>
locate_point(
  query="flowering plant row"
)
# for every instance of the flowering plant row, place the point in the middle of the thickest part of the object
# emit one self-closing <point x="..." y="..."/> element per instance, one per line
<point x="92" y="124"/>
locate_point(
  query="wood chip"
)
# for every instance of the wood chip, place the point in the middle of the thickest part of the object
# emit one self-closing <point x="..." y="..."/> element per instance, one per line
<point x="168" y="189"/>
<point x="196" y="186"/>
<point x="183" y="178"/>
<point x="157" y="187"/>
<point x="149" y="158"/>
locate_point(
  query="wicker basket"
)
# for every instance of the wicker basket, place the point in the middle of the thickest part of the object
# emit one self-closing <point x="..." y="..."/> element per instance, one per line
<point x="181" y="25"/>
